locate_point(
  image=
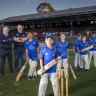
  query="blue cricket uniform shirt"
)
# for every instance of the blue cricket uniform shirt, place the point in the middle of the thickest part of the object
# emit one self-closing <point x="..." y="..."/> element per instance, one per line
<point x="31" y="46"/>
<point x="62" y="48"/>
<point x="76" y="44"/>
<point x="92" y="41"/>
<point x="83" y="46"/>
<point x="48" y="55"/>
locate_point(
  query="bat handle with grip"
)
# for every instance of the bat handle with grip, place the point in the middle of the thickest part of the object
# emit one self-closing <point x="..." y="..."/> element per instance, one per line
<point x="60" y="56"/>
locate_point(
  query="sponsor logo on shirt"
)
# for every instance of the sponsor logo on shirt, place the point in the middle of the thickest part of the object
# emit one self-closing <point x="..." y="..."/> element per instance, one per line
<point x="31" y="47"/>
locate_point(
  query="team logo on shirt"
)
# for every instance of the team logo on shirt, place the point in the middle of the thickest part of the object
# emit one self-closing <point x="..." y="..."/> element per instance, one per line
<point x="23" y="34"/>
<point x="31" y="47"/>
<point x="33" y="42"/>
<point x="46" y="53"/>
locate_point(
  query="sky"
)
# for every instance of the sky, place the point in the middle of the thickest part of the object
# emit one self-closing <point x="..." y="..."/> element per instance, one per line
<point x="9" y="8"/>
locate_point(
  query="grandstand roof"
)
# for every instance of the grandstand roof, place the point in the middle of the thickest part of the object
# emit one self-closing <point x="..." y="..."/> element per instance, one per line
<point x="59" y="13"/>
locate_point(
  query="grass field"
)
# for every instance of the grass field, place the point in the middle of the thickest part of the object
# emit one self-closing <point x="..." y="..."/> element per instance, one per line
<point x="85" y="85"/>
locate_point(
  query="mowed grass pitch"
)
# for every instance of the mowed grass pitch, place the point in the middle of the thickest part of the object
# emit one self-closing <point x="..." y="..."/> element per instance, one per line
<point x="85" y="85"/>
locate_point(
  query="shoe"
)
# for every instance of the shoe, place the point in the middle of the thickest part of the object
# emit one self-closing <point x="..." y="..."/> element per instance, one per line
<point x="0" y="74"/>
<point x="34" y="77"/>
<point x="11" y="71"/>
<point x="29" y="78"/>
<point x="81" y="69"/>
<point x="15" y="70"/>
<point x="87" y="70"/>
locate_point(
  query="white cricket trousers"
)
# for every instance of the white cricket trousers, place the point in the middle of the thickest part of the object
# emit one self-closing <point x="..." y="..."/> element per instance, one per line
<point x="90" y="56"/>
<point x="62" y="63"/>
<point x="84" y="58"/>
<point x="32" y="67"/>
<point x="35" y="73"/>
<point x="44" y="82"/>
<point x="77" y="60"/>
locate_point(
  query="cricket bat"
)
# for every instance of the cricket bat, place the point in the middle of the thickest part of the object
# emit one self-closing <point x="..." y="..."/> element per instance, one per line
<point x="72" y="71"/>
<point x="88" y="48"/>
<point x="21" y="72"/>
<point x="49" y="65"/>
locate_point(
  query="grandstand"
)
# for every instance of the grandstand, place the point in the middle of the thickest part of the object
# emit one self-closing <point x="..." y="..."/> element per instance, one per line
<point x="71" y="21"/>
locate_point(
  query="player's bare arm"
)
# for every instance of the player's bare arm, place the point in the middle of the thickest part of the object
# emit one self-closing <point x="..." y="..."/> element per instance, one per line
<point x="78" y="49"/>
<point x="41" y="65"/>
<point x="74" y="50"/>
<point x="37" y="51"/>
<point x="27" y="54"/>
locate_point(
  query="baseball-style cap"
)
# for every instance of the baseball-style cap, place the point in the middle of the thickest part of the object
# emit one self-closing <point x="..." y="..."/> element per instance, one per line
<point x="48" y="35"/>
<point x="93" y="33"/>
<point x="79" y="34"/>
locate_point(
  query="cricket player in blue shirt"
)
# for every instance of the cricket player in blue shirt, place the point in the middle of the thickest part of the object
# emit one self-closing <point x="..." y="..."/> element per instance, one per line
<point x="92" y="41"/>
<point x="32" y="51"/>
<point x="62" y="47"/>
<point x="84" y="55"/>
<point x="77" y="55"/>
<point x="47" y="54"/>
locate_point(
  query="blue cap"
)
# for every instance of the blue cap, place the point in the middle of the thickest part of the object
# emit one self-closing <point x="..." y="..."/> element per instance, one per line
<point x="49" y="35"/>
<point x="79" y="34"/>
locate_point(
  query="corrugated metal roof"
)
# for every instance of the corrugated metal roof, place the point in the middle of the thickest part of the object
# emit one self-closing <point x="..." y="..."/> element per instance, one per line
<point x="66" y="12"/>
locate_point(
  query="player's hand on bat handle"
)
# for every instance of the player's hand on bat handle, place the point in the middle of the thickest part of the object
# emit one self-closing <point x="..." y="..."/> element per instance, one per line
<point x="27" y="59"/>
<point x="43" y="69"/>
<point x="59" y="58"/>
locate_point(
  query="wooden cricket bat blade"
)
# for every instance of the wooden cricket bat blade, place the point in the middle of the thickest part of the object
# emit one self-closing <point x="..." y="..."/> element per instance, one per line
<point x="49" y="65"/>
<point x="21" y="72"/>
<point x="46" y="67"/>
<point x="73" y="72"/>
<point x="88" y="48"/>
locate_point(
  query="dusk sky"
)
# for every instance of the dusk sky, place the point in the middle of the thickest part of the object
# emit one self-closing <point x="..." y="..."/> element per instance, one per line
<point x="10" y="8"/>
